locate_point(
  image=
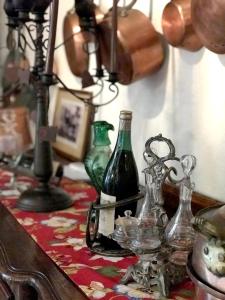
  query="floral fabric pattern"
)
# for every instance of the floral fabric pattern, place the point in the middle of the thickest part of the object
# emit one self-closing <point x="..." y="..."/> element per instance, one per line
<point x="61" y="234"/>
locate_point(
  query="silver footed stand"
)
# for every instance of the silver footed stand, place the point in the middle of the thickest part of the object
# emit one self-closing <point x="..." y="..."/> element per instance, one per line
<point x="145" y="234"/>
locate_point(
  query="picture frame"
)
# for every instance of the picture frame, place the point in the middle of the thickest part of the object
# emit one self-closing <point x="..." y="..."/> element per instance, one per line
<point x="73" y="119"/>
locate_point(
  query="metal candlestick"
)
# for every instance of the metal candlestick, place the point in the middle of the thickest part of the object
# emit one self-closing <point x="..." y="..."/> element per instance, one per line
<point x="44" y="197"/>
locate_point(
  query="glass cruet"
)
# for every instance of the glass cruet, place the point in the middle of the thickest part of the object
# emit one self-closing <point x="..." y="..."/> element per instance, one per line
<point x="97" y="158"/>
<point x="179" y="231"/>
<point x="152" y="218"/>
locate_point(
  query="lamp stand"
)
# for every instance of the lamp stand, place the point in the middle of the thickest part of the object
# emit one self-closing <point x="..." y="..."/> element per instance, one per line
<point x="44" y="197"/>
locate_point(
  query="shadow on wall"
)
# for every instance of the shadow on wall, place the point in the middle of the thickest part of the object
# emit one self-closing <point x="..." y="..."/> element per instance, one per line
<point x="193" y="57"/>
<point x="147" y="96"/>
<point x="184" y="97"/>
<point x="221" y="58"/>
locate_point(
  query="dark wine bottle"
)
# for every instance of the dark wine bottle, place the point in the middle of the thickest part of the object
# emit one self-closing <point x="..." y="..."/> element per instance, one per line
<point x="120" y="181"/>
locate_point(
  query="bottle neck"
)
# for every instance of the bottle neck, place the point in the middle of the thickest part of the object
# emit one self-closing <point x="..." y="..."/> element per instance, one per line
<point x="124" y="136"/>
<point x="186" y="189"/>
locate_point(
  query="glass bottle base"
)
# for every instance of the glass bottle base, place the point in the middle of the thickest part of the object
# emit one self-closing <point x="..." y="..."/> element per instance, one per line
<point x="109" y="252"/>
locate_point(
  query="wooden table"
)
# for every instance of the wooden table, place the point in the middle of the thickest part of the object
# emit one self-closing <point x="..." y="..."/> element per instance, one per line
<point x="26" y="272"/>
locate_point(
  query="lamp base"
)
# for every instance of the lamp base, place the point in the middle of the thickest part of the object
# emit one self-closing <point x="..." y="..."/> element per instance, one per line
<point x="44" y="198"/>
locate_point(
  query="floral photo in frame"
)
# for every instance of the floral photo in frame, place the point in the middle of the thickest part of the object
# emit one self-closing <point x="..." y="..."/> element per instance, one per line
<point x="72" y="117"/>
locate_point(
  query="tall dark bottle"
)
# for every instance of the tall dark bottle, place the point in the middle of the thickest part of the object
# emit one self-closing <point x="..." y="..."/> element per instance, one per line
<point x="120" y="181"/>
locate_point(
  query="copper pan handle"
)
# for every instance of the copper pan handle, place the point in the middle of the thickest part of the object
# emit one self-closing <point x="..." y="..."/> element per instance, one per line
<point x="113" y="47"/>
<point x="150" y="9"/>
<point x="126" y="7"/>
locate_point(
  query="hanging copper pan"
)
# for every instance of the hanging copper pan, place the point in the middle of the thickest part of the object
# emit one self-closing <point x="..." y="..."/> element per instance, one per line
<point x="75" y="40"/>
<point x="208" y="17"/>
<point x="177" y="25"/>
<point x="139" y="48"/>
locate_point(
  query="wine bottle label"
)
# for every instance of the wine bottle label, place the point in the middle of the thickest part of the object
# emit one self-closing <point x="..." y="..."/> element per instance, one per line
<point x="106" y="216"/>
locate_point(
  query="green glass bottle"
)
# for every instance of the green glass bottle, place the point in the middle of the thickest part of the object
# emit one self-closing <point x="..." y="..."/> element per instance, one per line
<point x="120" y="181"/>
<point x="97" y="158"/>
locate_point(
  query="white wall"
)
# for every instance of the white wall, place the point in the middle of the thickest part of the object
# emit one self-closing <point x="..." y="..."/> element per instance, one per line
<point x="184" y="100"/>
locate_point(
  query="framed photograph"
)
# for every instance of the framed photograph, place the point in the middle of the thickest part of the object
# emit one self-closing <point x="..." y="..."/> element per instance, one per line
<point x="73" y="119"/>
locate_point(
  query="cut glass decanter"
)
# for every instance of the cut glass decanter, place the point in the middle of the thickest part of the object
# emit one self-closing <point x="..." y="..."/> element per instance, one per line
<point x="179" y="232"/>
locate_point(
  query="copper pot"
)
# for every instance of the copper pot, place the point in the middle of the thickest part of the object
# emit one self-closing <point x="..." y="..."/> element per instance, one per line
<point x="208" y="17"/>
<point x="177" y="25"/>
<point x="207" y="262"/>
<point x="139" y="49"/>
<point x="203" y="291"/>
<point x="75" y="40"/>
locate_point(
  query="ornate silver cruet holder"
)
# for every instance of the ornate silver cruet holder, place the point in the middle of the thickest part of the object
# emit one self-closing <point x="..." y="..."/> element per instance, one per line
<point x="145" y="235"/>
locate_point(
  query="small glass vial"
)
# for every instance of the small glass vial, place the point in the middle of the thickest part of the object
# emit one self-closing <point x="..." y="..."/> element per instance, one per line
<point x="179" y="231"/>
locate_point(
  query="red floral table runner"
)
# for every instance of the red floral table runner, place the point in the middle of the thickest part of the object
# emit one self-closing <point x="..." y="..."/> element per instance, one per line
<point x="61" y="235"/>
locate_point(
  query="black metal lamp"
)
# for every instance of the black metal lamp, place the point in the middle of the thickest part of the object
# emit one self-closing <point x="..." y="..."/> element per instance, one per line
<point x="23" y="7"/>
<point x="39" y="8"/>
<point x="44" y="197"/>
<point x="11" y="13"/>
